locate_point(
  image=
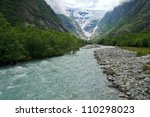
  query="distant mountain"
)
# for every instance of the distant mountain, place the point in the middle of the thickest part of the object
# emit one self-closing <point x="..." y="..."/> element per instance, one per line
<point x="87" y="19"/>
<point x="72" y="26"/>
<point x="126" y="25"/>
<point x="30" y="12"/>
<point x="131" y="17"/>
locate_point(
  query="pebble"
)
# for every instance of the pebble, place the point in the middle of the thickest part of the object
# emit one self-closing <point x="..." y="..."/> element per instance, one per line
<point x="125" y="71"/>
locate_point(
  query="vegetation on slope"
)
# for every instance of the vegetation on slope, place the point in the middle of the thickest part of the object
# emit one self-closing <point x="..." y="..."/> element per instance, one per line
<point x="146" y="68"/>
<point x="9" y="8"/>
<point x="127" y="25"/>
<point x="139" y="42"/>
<point x="130" y="17"/>
<point x="30" y="12"/>
<point x="141" y="39"/>
<point x="21" y="43"/>
<point x="140" y="51"/>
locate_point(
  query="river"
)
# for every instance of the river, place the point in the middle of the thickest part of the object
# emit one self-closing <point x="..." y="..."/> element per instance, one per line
<point x="76" y="76"/>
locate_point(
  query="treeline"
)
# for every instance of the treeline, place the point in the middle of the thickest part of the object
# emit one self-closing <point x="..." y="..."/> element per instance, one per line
<point x="21" y="43"/>
<point x="140" y="39"/>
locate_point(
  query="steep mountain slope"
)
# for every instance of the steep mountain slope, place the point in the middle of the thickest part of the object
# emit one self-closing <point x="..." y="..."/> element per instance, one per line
<point x="30" y="12"/>
<point x="71" y="26"/>
<point x="132" y="17"/>
<point x="44" y="37"/>
<point x="127" y="25"/>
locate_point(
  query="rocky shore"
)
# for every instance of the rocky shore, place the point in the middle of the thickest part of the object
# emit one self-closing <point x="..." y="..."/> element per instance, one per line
<point x="91" y="46"/>
<point x="125" y="72"/>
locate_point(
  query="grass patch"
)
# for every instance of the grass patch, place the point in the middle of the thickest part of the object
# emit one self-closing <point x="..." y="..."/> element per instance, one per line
<point x="140" y="51"/>
<point x="146" y="68"/>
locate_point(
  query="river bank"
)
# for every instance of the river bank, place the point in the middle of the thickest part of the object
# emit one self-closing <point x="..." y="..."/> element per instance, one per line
<point x="125" y="71"/>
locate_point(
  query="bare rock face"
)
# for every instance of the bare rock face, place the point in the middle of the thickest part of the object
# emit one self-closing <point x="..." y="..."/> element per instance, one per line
<point x="125" y="71"/>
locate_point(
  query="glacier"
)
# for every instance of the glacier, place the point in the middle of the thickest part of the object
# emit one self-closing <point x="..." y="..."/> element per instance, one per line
<point x="87" y="19"/>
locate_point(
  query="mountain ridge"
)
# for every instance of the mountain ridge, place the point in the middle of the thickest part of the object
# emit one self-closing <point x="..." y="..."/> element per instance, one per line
<point x="127" y="25"/>
<point x="129" y="17"/>
<point x="72" y="26"/>
<point x="29" y="12"/>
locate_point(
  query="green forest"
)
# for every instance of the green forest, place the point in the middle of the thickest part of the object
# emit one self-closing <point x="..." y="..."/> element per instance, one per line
<point x="138" y="42"/>
<point x="139" y="39"/>
<point x="19" y="43"/>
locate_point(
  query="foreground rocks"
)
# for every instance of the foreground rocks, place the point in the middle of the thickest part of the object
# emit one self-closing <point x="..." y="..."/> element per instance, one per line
<point x="125" y="71"/>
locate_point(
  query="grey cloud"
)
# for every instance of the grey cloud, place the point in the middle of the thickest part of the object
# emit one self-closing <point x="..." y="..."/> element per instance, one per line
<point x="56" y="5"/>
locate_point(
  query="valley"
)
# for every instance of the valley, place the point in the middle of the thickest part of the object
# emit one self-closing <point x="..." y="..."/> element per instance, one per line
<point x="51" y="49"/>
<point x="87" y="19"/>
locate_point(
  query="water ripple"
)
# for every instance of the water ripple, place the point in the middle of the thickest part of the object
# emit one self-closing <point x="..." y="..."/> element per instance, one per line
<point x="75" y="76"/>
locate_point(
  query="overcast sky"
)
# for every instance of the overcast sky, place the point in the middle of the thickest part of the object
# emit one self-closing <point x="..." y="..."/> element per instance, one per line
<point x="60" y="5"/>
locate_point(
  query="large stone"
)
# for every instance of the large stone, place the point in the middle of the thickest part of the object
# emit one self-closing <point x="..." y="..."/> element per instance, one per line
<point x="110" y="78"/>
<point x="109" y="71"/>
<point x="147" y="79"/>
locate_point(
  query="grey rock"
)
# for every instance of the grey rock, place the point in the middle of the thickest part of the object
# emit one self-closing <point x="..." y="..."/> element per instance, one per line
<point x="147" y="79"/>
<point x="125" y="71"/>
<point x="110" y="78"/>
<point x="122" y="95"/>
<point x="109" y="71"/>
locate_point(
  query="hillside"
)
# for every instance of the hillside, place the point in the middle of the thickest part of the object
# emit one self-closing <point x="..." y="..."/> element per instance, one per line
<point x="31" y="30"/>
<point x="127" y="24"/>
<point x="30" y="12"/>
<point x="72" y="26"/>
<point x="129" y="17"/>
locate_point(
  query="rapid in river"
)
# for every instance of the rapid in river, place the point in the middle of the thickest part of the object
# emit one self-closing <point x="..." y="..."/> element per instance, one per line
<point x="75" y="76"/>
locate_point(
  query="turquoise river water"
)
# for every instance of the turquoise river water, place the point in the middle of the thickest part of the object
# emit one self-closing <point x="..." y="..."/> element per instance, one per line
<point x="76" y="76"/>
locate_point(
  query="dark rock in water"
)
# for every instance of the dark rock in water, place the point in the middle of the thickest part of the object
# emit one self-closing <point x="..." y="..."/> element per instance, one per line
<point x="110" y="78"/>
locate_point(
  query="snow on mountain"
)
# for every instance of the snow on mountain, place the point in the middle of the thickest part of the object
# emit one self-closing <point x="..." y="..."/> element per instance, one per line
<point x="87" y="19"/>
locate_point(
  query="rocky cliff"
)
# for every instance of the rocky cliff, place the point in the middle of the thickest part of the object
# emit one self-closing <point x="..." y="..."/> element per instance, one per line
<point x="72" y="26"/>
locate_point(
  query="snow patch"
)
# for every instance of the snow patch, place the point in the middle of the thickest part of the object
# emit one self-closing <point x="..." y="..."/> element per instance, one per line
<point x="85" y="19"/>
